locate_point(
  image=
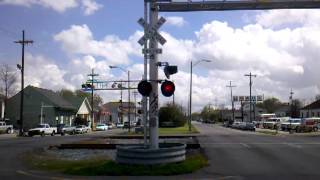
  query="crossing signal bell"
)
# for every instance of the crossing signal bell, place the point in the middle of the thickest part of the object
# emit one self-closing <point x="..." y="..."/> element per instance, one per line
<point x="144" y="88"/>
<point x="167" y="88"/>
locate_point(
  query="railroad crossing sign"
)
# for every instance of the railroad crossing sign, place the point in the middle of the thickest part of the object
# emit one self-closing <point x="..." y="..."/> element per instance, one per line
<point x="152" y="32"/>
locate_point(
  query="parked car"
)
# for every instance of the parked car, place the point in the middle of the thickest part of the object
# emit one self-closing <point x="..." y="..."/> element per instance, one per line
<point x="65" y="129"/>
<point x="101" y="127"/>
<point x="6" y="128"/>
<point x="119" y="125"/>
<point x="274" y="122"/>
<point x="308" y="125"/>
<point x="291" y="124"/>
<point x="111" y="125"/>
<point x="42" y="130"/>
<point x="126" y="125"/>
<point x="236" y="124"/>
<point x="249" y="126"/>
<point x="81" y="129"/>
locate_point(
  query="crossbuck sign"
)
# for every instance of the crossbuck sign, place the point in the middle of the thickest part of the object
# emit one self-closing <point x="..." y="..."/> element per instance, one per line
<point x="152" y="32"/>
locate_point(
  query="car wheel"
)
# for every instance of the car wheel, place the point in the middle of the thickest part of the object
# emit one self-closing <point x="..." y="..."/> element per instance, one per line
<point x="63" y="133"/>
<point x="9" y="131"/>
<point x="53" y="133"/>
<point x="42" y="134"/>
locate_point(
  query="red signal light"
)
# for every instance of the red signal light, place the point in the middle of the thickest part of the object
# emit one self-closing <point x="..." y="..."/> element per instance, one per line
<point x="167" y="88"/>
<point x="144" y="88"/>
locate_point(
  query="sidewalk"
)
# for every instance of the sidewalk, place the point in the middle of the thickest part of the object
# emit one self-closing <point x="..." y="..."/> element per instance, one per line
<point x="8" y="136"/>
<point x="273" y="132"/>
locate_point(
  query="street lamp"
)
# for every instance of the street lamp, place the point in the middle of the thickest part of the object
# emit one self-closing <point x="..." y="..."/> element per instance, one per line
<point x="190" y="93"/>
<point x="127" y="71"/>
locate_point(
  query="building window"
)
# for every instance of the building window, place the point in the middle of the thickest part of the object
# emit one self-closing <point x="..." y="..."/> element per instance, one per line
<point x="318" y="114"/>
<point x="307" y="114"/>
<point x="302" y="114"/>
<point x="312" y="114"/>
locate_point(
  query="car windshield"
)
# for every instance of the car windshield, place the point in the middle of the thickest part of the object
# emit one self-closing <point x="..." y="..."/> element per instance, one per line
<point x="79" y="126"/>
<point x="41" y="126"/>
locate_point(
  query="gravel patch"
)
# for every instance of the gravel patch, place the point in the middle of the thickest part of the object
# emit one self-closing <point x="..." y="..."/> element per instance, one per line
<point x="81" y="154"/>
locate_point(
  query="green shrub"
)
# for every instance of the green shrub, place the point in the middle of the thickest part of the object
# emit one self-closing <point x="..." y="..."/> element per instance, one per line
<point x="171" y="116"/>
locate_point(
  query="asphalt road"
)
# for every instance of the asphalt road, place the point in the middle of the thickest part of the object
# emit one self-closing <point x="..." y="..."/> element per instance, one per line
<point x="232" y="154"/>
<point x="12" y="148"/>
<point x="235" y="154"/>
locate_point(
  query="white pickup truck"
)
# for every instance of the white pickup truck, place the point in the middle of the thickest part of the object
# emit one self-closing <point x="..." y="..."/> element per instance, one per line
<point x="42" y="130"/>
<point x="6" y="128"/>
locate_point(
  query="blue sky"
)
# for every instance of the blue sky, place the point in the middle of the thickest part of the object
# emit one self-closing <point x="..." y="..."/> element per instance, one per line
<point x="72" y="36"/>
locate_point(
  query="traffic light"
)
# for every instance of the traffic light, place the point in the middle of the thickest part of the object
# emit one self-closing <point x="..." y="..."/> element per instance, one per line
<point x="87" y="86"/>
<point x="169" y="70"/>
<point x="144" y="88"/>
<point x="167" y="88"/>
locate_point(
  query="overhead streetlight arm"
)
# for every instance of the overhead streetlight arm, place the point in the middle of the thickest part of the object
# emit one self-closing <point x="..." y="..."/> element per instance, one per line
<point x="199" y="61"/>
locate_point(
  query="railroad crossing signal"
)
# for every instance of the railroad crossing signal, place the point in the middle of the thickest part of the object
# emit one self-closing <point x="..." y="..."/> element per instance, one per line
<point x="152" y="31"/>
<point x="167" y="88"/>
<point x="144" y="88"/>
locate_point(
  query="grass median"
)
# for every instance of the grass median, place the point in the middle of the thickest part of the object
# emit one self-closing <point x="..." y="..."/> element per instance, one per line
<point x="101" y="166"/>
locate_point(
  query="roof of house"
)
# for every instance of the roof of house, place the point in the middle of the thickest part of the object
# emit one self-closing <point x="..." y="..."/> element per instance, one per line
<point x="55" y="98"/>
<point x="314" y="105"/>
<point x="75" y="101"/>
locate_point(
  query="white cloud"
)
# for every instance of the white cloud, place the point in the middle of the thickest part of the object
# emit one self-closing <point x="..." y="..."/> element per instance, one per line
<point x="275" y="18"/>
<point x="89" y="6"/>
<point x="175" y="21"/>
<point x="79" y="40"/>
<point x="43" y="72"/>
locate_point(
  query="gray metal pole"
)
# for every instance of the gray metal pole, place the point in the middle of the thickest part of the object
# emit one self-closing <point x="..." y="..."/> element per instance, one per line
<point x="190" y="98"/>
<point x="250" y="99"/>
<point x="129" y="119"/>
<point x="153" y="74"/>
<point x="145" y="77"/>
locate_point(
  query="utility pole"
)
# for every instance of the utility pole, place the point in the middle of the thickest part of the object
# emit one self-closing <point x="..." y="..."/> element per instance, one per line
<point x="232" y="103"/>
<point x="121" y="105"/>
<point x="250" y="75"/>
<point x="92" y="75"/>
<point x="23" y="42"/>
<point x="291" y="99"/>
<point x="135" y="106"/>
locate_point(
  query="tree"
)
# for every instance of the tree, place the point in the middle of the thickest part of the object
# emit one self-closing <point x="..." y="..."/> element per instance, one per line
<point x="171" y="116"/>
<point x="270" y="104"/>
<point x="66" y="93"/>
<point x="8" y="78"/>
<point x="209" y="115"/>
<point x="97" y="100"/>
<point x="295" y="108"/>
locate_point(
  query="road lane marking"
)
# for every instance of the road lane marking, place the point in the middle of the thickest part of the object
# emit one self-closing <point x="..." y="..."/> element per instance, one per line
<point x="245" y="145"/>
<point x="38" y="176"/>
<point x="295" y="145"/>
